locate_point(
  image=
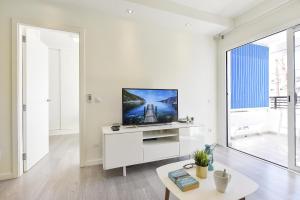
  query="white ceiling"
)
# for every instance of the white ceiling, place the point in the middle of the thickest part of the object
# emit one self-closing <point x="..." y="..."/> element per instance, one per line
<point x="209" y="17"/>
<point x="226" y="8"/>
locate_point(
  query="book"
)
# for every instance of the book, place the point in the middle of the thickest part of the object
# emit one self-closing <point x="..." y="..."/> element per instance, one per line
<point x="183" y="180"/>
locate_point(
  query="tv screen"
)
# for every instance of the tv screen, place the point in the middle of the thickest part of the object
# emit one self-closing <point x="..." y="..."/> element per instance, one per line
<point x="149" y="106"/>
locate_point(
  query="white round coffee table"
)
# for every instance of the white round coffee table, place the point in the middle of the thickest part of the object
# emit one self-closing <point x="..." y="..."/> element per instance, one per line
<point x="239" y="187"/>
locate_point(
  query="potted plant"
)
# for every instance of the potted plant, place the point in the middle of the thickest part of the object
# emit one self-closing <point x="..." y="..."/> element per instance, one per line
<point x="201" y="161"/>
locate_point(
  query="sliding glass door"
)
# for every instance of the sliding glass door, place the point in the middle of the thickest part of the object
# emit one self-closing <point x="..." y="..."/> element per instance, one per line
<point x="294" y="106"/>
<point x="257" y="98"/>
<point x="263" y="98"/>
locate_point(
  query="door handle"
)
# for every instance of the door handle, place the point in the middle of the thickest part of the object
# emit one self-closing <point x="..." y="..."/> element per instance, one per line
<point x="48" y="100"/>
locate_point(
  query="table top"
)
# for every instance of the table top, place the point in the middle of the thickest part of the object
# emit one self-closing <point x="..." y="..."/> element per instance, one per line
<point x="130" y="129"/>
<point x="239" y="187"/>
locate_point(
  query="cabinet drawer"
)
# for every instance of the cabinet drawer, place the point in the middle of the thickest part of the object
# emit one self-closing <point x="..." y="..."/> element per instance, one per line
<point x="122" y="149"/>
<point x="158" y="151"/>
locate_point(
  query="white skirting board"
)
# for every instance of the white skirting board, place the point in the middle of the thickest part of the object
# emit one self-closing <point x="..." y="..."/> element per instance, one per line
<point x="93" y="162"/>
<point x="5" y="176"/>
<point x="63" y="132"/>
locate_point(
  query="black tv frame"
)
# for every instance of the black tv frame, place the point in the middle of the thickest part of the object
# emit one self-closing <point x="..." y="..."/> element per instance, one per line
<point x="149" y="123"/>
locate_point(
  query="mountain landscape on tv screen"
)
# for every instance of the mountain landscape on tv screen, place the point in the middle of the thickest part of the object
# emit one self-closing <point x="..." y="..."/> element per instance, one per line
<point x="149" y="106"/>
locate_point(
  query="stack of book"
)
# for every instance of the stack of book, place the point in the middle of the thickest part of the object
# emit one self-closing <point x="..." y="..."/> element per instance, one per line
<point x="183" y="180"/>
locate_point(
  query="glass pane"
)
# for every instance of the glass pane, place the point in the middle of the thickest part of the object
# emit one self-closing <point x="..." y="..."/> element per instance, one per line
<point x="257" y="100"/>
<point x="297" y="90"/>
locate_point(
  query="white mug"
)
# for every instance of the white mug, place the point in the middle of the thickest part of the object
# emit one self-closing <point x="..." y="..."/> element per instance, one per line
<point x="221" y="181"/>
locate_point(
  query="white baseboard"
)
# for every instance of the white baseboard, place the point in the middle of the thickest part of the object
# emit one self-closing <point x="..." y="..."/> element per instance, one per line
<point x="63" y="132"/>
<point x="93" y="162"/>
<point x="5" y="176"/>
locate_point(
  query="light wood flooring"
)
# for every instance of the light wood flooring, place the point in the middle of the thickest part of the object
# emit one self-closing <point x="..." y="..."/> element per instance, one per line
<point x="58" y="176"/>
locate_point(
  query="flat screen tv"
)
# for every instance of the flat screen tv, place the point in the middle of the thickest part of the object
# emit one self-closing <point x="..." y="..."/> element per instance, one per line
<point x="149" y="106"/>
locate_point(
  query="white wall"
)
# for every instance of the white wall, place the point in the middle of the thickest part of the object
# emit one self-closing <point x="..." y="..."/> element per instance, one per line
<point x="119" y="53"/>
<point x="68" y="72"/>
<point x="281" y="18"/>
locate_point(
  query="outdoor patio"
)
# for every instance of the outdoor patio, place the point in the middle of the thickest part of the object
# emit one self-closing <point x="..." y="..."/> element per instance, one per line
<point x="269" y="146"/>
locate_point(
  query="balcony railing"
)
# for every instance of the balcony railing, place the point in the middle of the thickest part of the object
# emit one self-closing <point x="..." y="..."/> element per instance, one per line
<point x="278" y="102"/>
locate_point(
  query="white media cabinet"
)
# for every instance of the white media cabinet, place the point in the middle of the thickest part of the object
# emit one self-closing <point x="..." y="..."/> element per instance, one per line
<point x="134" y="145"/>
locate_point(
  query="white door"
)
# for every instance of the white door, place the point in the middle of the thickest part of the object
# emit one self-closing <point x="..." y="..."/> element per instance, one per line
<point x="54" y="89"/>
<point x="35" y="95"/>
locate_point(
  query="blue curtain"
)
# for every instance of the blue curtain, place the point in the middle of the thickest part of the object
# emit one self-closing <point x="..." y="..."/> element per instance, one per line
<point x="250" y="77"/>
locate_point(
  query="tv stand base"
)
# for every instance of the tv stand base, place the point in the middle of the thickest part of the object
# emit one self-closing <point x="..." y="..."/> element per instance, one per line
<point x="130" y="146"/>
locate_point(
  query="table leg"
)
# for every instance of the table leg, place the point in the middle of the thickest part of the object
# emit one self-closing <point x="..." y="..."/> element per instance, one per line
<point x="124" y="171"/>
<point x="167" y="194"/>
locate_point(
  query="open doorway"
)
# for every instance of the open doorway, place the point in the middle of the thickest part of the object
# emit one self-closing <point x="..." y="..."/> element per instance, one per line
<point x="258" y="98"/>
<point x="50" y="95"/>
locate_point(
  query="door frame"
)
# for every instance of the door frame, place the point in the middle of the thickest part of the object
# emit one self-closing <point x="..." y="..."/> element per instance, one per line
<point x="292" y="104"/>
<point x="17" y="149"/>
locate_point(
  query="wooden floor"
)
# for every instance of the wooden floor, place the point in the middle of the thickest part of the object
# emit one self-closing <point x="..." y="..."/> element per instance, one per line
<point x="58" y="176"/>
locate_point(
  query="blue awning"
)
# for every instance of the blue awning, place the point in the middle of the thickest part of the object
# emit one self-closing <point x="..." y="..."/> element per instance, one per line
<point x="250" y="76"/>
